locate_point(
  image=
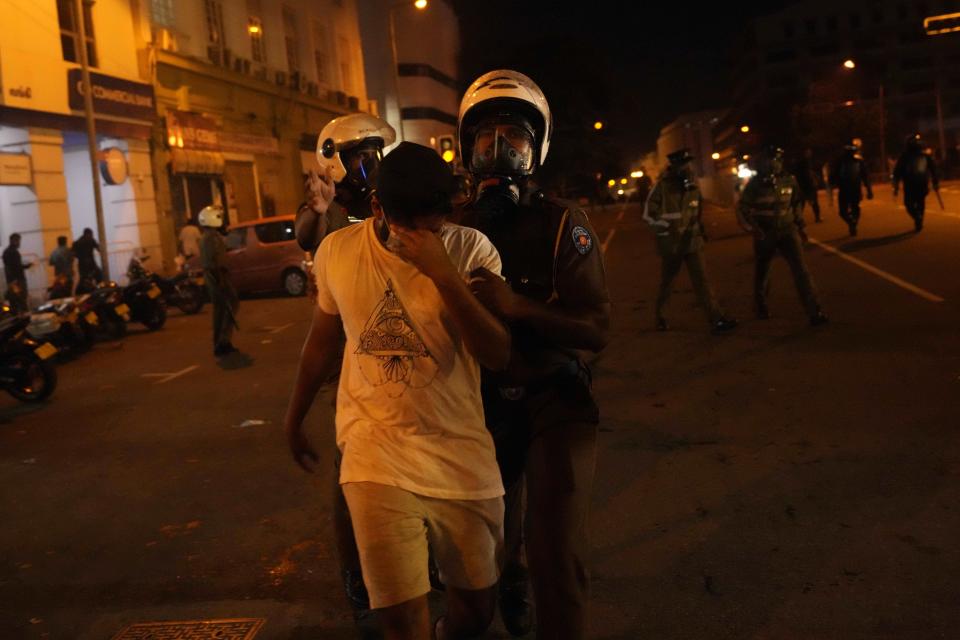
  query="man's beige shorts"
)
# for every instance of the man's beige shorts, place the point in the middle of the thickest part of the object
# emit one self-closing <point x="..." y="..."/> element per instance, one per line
<point x="393" y="526"/>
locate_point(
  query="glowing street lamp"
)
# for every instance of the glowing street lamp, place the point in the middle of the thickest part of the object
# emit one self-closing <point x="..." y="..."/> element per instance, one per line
<point x="420" y="4"/>
<point x="598" y="125"/>
<point x="253" y="29"/>
<point x="623" y="181"/>
<point x="636" y="174"/>
<point x="849" y="64"/>
<point x="715" y="155"/>
<point x="744" y="129"/>
<point x="619" y="192"/>
<point x="611" y="182"/>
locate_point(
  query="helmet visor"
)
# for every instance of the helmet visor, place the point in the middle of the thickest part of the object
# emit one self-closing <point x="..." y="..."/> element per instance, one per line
<point x="362" y="163"/>
<point x="502" y="149"/>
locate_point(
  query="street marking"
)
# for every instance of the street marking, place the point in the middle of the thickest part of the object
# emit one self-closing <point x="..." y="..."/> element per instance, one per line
<point x="613" y="231"/>
<point x="889" y="277"/>
<point x="167" y="377"/>
<point x="276" y="330"/>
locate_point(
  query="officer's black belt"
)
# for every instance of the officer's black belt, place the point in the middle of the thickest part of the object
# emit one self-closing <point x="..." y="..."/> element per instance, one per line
<point x="560" y="376"/>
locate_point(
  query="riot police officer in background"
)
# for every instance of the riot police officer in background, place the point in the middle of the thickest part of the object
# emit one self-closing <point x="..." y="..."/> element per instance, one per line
<point x="770" y="209"/>
<point x="349" y="151"/>
<point x="847" y="174"/>
<point x="917" y="170"/>
<point x="807" y="180"/>
<point x="541" y="409"/>
<point x="213" y="252"/>
<point x="674" y="211"/>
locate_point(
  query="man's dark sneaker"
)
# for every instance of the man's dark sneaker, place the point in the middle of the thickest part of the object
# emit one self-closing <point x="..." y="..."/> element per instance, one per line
<point x="918" y="225"/>
<point x="853" y="229"/>
<point x="662" y="324"/>
<point x="723" y="325"/>
<point x="355" y="589"/>
<point x="763" y="313"/>
<point x="515" y="609"/>
<point x="818" y="319"/>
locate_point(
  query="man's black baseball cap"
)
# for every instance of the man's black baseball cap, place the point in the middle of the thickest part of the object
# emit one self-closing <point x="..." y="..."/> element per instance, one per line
<point x="414" y="180"/>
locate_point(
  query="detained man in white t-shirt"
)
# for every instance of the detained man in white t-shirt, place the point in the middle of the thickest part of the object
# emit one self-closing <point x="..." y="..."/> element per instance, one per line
<point x="418" y="464"/>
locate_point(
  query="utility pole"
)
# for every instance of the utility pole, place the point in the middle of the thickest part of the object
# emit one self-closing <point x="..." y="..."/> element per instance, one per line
<point x="78" y="6"/>
<point x="943" y="137"/>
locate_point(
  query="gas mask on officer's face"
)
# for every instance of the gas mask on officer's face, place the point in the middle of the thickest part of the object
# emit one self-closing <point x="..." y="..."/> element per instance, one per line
<point x="502" y="156"/>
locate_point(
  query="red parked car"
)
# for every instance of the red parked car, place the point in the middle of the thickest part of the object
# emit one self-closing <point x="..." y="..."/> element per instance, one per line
<point x="263" y="256"/>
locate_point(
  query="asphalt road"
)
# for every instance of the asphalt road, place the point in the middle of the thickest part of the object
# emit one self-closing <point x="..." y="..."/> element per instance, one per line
<point x="781" y="482"/>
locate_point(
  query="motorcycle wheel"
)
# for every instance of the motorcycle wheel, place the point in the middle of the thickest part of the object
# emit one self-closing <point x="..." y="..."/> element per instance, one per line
<point x="116" y="328"/>
<point x="37" y="381"/>
<point x="190" y="299"/>
<point x="158" y="317"/>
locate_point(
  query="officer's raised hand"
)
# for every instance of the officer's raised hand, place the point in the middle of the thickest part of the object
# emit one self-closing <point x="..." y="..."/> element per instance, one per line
<point x="495" y="294"/>
<point x="320" y="190"/>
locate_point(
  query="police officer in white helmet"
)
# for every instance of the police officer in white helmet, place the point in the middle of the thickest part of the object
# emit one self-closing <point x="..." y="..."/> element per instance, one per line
<point x="349" y="151"/>
<point x="541" y="410"/>
<point x="213" y="253"/>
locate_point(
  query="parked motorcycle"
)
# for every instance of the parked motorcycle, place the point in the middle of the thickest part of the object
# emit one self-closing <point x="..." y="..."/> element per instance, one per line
<point x="60" y="323"/>
<point x="145" y="302"/>
<point x="184" y="290"/>
<point x="105" y="310"/>
<point x="26" y="372"/>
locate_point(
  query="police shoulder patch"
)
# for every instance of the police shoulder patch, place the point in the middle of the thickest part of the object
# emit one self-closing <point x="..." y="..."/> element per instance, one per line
<point x="582" y="240"/>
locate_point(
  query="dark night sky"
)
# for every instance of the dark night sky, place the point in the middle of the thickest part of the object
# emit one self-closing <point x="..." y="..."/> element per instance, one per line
<point x="634" y="65"/>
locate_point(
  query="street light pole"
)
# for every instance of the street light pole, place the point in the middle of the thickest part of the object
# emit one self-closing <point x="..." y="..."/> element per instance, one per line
<point x="396" y="69"/>
<point x="883" y="134"/>
<point x="78" y="6"/>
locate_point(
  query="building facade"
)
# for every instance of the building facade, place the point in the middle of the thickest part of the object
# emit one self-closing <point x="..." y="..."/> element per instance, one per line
<point x="46" y="181"/>
<point x="419" y="92"/>
<point x="243" y="89"/>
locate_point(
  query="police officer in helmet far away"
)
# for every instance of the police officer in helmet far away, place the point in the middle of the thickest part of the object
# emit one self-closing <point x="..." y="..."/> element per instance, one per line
<point x="674" y="211"/>
<point x="847" y="173"/>
<point x="770" y="209"/>
<point x="541" y="410"/>
<point x="223" y="295"/>
<point x="917" y="170"/>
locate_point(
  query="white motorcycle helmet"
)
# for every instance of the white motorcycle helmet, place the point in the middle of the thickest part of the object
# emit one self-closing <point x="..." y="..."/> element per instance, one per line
<point x="510" y="92"/>
<point x="211" y="216"/>
<point x="346" y="132"/>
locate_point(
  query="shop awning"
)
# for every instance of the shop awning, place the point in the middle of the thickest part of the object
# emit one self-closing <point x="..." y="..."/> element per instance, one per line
<point x="191" y="161"/>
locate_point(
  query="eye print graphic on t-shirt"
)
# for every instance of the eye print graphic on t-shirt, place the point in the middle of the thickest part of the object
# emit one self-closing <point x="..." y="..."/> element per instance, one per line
<point x="390" y="353"/>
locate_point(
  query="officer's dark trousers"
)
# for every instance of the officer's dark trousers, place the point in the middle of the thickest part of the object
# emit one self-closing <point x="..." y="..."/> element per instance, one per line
<point x="811" y="197"/>
<point x="848" y="205"/>
<point x="559" y="470"/>
<point x="225" y="306"/>
<point x="915" y="200"/>
<point x="697" y="269"/>
<point x="787" y="244"/>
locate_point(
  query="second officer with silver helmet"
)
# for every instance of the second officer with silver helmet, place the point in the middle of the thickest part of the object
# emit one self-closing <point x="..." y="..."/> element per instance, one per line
<point x="349" y="151"/>
<point x="541" y="409"/>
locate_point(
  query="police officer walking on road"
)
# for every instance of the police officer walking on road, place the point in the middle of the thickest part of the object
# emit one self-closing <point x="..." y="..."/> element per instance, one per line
<point x="541" y="409"/>
<point x="847" y="174"/>
<point x="917" y="170"/>
<point x="213" y="252"/>
<point x="349" y="152"/>
<point x="770" y="209"/>
<point x="674" y="211"/>
<point x="807" y="180"/>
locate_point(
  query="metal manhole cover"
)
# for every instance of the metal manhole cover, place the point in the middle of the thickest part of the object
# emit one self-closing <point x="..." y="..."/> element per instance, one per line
<point x="233" y="629"/>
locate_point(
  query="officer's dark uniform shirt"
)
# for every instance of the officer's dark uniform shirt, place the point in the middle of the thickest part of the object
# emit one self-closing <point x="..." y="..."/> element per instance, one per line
<point x="550" y="254"/>
<point x="848" y="174"/>
<point x="916" y="170"/>
<point x="13" y="265"/>
<point x="771" y="203"/>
